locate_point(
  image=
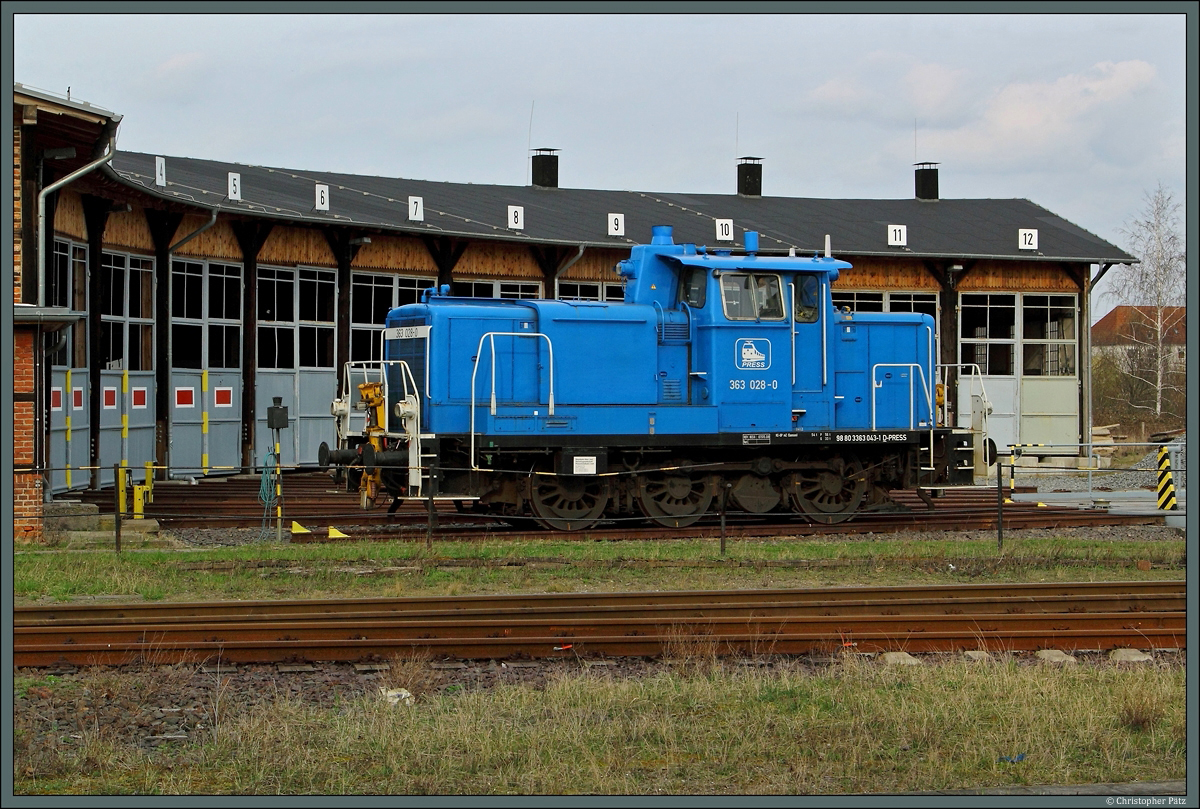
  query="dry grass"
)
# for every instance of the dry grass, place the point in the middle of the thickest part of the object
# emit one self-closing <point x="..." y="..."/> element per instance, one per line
<point x="701" y="728"/>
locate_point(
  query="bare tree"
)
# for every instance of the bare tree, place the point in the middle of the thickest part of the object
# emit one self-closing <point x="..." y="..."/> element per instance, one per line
<point x="1155" y="287"/>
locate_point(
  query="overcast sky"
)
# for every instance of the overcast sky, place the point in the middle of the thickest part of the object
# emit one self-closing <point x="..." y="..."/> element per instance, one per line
<point x="1081" y="114"/>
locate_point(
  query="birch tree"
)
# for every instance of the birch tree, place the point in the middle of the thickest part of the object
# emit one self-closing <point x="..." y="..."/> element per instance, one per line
<point x="1155" y="286"/>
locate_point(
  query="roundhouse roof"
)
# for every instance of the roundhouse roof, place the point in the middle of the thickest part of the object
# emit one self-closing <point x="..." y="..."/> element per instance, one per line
<point x="944" y="228"/>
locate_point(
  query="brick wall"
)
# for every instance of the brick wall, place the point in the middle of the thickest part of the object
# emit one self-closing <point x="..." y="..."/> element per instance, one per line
<point x="27" y="485"/>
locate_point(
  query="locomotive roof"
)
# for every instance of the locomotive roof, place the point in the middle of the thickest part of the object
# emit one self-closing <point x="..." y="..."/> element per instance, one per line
<point x="759" y="262"/>
<point x="945" y="228"/>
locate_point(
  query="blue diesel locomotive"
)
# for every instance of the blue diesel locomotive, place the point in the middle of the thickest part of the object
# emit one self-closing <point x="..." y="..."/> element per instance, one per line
<point x="720" y="375"/>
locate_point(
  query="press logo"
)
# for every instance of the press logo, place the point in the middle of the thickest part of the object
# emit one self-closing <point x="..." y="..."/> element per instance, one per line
<point x="752" y="354"/>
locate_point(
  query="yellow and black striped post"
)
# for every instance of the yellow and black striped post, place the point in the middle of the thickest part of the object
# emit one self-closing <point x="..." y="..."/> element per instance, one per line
<point x="1166" y="489"/>
<point x="278" y="493"/>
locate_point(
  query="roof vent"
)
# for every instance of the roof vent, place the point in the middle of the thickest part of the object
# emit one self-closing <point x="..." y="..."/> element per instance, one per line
<point x="545" y="168"/>
<point x="749" y="177"/>
<point x="927" y="181"/>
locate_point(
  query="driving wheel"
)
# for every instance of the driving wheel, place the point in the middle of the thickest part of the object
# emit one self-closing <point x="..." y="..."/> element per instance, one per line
<point x="828" y="494"/>
<point x="674" y="497"/>
<point x="567" y="502"/>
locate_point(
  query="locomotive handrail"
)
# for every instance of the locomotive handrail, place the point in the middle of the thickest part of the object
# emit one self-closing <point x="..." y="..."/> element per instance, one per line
<point x="687" y="310"/>
<point x="977" y="373"/>
<point x="491" y="338"/>
<point x="825" y="322"/>
<point x="792" y="317"/>
<point x="379" y="367"/>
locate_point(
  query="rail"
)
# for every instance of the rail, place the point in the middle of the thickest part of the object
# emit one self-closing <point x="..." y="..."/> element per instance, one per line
<point x="491" y="338"/>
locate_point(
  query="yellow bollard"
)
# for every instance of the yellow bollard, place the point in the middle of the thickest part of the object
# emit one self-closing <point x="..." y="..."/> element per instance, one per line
<point x="121" y="485"/>
<point x="139" y="500"/>
<point x="149" y="481"/>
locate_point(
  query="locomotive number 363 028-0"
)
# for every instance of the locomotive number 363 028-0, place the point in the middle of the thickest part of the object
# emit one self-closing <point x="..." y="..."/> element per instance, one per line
<point x="754" y="384"/>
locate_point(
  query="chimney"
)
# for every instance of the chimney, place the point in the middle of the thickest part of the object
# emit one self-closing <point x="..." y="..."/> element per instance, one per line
<point x="749" y="177"/>
<point x="545" y="168"/>
<point x="927" y="182"/>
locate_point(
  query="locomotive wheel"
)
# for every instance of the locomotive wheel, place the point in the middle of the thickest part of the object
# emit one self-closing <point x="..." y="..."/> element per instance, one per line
<point x="828" y="495"/>
<point x="567" y="502"/>
<point x="674" y="498"/>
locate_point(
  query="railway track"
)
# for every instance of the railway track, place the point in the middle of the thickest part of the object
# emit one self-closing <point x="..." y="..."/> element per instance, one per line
<point x="1013" y="617"/>
<point x="315" y="501"/>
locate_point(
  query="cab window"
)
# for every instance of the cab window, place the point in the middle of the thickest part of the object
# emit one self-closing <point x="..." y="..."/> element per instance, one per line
<point x="691" y="290"/>
<point x="747" y="296"/>
<point x="807" y="298"/>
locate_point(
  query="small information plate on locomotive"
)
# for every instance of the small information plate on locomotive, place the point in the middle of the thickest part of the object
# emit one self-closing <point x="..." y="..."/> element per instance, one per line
<point x="406" y="333"/>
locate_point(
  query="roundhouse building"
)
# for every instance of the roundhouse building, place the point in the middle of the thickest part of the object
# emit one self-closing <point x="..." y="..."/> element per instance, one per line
<point x="179" y="296"/>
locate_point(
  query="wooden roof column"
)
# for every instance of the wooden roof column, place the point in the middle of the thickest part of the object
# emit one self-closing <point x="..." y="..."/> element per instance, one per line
<point x="345" y="247"/>
<point x="552" y="260"/>
<point x="95" y="217"/>
<point x="445" y="251"/>
<point x="251" y="236"/>
<point x="948" y="321"/>
<point x="163" y="225"/>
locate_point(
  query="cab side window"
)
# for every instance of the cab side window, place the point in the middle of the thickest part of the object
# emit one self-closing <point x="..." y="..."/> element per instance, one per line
<point x="807" y="298"/>
<point x="692" y="289"/>
<point x="768" y="297"/>
<point x="737" y="296"/>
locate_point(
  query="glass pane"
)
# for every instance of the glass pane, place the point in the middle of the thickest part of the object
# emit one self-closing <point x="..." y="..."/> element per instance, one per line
<point x="187" y="291"/>
<point x="1034" y="322"/>
<point x="141" y="347"/>
<point x="692" y="291"/>
<point x="1002" y="318"/>
<point x="1033" y="361"/>
<point x="514" y="290"/>
<point x="112" y="285"/>
<point x="187" y="342"/>
<point x="737" y="298"/>
<point x="1048" y="359"/>
<point x="1061" y="325"/>
<point x="807" y="298"/>
<point x="276" y="348"/>
<point x="1000" y="360"/>
<point x="316" y="347"/>
<point x="992" y="358"/>
<point x="112" y="345"/>
<point x="141" y="293"/>
<point x="972" y="320"/>
<point x="410" y="290"/>
<point x="275" y="293"/>
<point x="62" y="357"/>
<point x="317" y="293"/>
<point x="364" y="345"/>
<point x="571" y="291"/>
<point x="224" y="346"/>
<point x="58" y="279"/>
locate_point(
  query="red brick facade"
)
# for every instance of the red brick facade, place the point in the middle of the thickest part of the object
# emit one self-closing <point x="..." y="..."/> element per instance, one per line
<point x="27" y="482"/>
